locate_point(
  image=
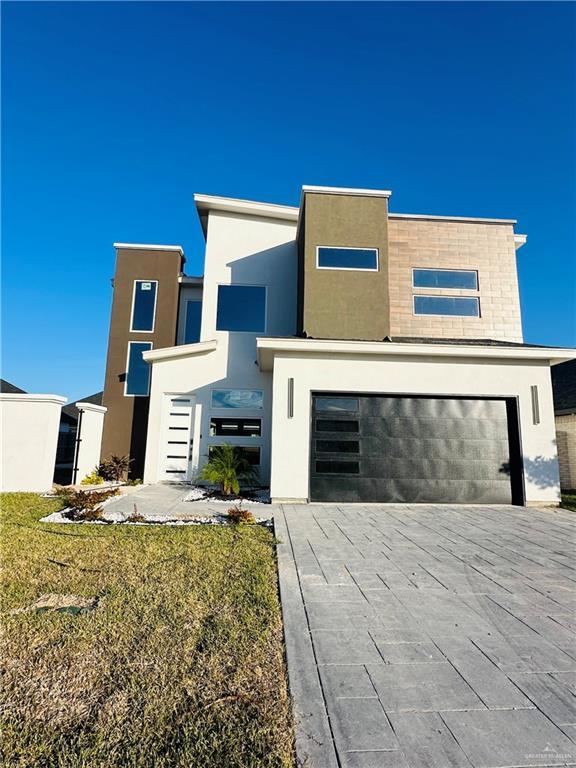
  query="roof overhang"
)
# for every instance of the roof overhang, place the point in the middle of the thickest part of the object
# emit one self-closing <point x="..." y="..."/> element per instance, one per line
<point x="148" y="247"/>
<point x="207" y="203"/>
<point x="180" y="351"/>
<point x="268" y="348"/>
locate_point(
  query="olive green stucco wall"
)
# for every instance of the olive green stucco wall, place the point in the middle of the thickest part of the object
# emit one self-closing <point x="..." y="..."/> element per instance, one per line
<point x="342" y="304"/>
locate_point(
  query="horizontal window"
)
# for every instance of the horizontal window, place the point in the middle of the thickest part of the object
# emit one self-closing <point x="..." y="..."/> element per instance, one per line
<point x="445" y="278"/>
<point x="193" y="322"/>
<point x="144" y="305"/>
<point x="459" y="306"/>
<point x="334" y="467"/>
<point x="347" y="258"/>
<point x="336" y="404"/>
<point x="237" y="398"/>
<point x="251" y="453"/>
<point x="337" y="446"/>
<point x="236" y="427"/>
<point x="336" y="425"/>
<point x="138" y="373"/>
<point x="241" y="308"/>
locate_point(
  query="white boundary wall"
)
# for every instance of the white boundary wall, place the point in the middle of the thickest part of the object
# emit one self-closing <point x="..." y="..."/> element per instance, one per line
<point x="29" y="429"/>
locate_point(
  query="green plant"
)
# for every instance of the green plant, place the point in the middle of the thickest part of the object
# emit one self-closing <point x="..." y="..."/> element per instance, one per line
<point x="93" y="478"/>
<point x="226" y="468"/>
<point x="136" y="481"/>
<point x="238" y="515"/>
<point x="85" y="505"/>
<point x="115" y="467"/>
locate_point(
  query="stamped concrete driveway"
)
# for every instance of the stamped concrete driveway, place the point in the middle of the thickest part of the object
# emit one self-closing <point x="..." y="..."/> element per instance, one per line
<point x="430" y="636"/>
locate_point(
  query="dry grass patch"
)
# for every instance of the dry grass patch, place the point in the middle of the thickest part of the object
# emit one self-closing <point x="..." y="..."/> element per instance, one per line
<point x="180" y="664"/>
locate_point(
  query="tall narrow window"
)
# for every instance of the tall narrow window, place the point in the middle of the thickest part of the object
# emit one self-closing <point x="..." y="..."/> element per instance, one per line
<point x="193" y="320"/>
<point x="144" y="305"/>
<point x="137" y="370"/>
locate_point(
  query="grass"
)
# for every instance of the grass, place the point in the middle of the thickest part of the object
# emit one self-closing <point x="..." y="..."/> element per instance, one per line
<point x="569" y="500"/>
<point x="180" y="665"/>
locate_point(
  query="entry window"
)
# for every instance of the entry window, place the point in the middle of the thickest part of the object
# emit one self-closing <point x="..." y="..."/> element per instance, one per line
<point x="328" y="257"/>
<point x="466" y="279"/>
<point x="251" y="453"/>
<point x="454" y="306"/>
<point x="144" y="305"/>
<point x="334" y="467"/>
<point x="193" y="320"/>
<point x="235" y="427"/>
<point x="138" y="371"/>
<point x="241" y="308"/>
<point x="237" y="398"/>
<point x="337" y="404"/>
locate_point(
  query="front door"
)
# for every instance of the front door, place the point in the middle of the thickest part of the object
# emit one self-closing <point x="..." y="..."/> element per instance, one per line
<point x="178" y="438"/>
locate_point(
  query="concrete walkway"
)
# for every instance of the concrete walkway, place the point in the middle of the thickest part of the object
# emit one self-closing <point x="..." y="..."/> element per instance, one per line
<point x="430" y="636"/>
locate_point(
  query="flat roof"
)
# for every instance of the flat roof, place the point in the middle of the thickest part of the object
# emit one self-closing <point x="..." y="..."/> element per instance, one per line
<point x="149" y="247"/>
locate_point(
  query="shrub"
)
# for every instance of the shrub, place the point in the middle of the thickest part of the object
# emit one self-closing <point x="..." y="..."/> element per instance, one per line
<point x="93" y="478"/>
<point x="115" y="467"/>
<point x="238" y="515"/>
<point x="136" y="517"/>
<point x="86" y="505"/>
<point x="136" y="481"/>
<point x="226" y="468"/>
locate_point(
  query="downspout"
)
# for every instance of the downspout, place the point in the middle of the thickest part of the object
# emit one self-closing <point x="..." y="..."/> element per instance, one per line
<point x="77" y="442"/>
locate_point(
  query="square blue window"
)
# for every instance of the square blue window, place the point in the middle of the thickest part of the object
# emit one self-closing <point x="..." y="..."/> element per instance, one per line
<point x="237" y="398"/>
<point x="193" y="320"/>
<point x="241" y="308"/>
<point x="144" y="305"/>
<point x="458" y="306"/>
<point x="138" y="373"/>
<point x="445" y="278"/>
<point x="347" y="258"/>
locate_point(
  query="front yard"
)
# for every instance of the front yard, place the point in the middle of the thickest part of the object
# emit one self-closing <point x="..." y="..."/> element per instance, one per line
<point x="180" y="664"/>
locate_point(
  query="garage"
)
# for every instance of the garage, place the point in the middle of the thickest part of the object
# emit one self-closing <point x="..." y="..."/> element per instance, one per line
<point x="420" y="449"/>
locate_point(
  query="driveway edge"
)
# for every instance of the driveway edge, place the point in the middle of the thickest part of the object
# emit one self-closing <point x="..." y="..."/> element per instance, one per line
<point x="314" y="743"/>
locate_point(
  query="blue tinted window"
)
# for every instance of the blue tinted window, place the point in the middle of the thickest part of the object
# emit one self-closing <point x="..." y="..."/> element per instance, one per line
<point x="237" y="398"/>
<point x="446" y="305"/>
<point x="445" y="278"/>
<point x="138" y="374"/>
<point x="144" y="305"/>
<point x="193" y="319"/>
<point x="241" y="308"/>
<point x="348" y="258"/>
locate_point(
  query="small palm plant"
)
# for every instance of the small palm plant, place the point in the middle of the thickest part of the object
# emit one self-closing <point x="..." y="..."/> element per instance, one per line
<point x="226" y="468"/>
<point x="115" y="467"/>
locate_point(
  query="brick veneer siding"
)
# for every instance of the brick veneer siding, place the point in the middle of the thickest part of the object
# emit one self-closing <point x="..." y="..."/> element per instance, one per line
<point x="488" y="248"/>
<point x="566" y="442"/>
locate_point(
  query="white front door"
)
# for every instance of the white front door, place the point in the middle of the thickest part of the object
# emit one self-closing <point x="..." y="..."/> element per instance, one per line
<point x="178" y="438"/>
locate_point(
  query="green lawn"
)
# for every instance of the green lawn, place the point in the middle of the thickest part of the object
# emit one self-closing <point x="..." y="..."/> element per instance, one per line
<point x="569" y="500"/>
<point x="181" y="664"/>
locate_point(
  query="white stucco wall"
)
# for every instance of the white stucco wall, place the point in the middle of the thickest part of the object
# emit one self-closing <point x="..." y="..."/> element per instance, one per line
<point x="29" y="431"/>
<point x="241" y="250"/>
<point x="90" y="438"/>
<point x="409" y="375"/>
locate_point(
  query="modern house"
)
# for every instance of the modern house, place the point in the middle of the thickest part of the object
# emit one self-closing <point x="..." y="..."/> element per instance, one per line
<point x="564" y="388"/>
<point x="351" y="353"/>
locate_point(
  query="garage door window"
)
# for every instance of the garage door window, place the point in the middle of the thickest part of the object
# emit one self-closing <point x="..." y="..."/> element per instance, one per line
<point x="333" y="425"/>
<point x="337" y="446"/>
<point x="349" y="404"/>
<point x="333" y="467"/>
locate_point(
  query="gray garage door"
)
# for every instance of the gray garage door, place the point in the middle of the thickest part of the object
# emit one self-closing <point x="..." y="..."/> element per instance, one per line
<point x="414" y="449"/>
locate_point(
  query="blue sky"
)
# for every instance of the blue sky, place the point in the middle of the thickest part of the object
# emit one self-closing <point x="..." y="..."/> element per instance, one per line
<point x="113" y="114"/>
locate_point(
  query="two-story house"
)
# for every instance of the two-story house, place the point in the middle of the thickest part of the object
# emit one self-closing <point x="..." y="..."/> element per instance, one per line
<point x="351" y="353"/>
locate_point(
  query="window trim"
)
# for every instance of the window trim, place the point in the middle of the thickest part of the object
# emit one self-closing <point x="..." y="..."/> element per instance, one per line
<point x="231" y="407"/>
<point x="243" y="285"/>
<point x="186" y="302"/>
<point x="132" y="329"/>
<point x="441" y="296"/>
<point x="349" y="248"/>
<point x="441" y="288"/>
<point x="151" y="346"/>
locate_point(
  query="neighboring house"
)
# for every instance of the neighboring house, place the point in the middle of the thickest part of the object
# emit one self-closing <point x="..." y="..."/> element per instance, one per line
<point x="10" y="389"/>
<point x="351" y="353"/>
<point x="564" y="387"/>
<point x="67" y="434"/>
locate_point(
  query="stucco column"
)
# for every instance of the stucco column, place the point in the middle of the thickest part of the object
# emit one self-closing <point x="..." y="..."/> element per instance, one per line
<point x="90" y="426"/>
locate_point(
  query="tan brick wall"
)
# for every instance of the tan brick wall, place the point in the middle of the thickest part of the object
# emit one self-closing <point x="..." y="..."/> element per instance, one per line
<point x="566" y="443"/>
<point x="488" y="248"/>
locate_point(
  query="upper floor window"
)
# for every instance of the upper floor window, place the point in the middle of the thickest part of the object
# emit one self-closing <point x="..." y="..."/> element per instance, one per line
<point x="459" y="306"/>
<point x="241" y="308"/>
<point x="137" y="369"/>
<point x="466" y="279"/>
<point x="347" y="258"/>
<point x="237" y="398"/>
<point x="193" y="321"/>
<point x="144" y="305"/>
